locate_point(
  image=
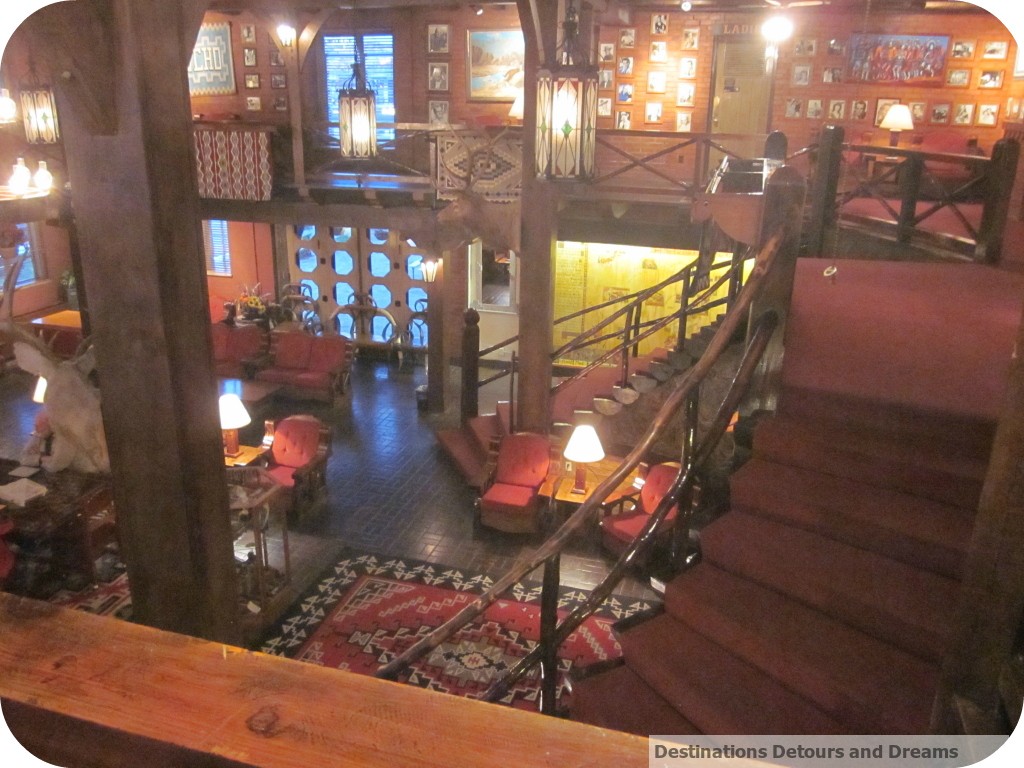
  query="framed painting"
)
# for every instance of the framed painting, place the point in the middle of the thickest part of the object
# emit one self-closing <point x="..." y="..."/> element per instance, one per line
<point x="210" y="70"/>
<point x="437" y="112"/>
<point x="688" y="67"/>
<point x="627" y="38"/>
<point x="995" y="50"/>
<point x="437" y="76"/>
<point x="653" y="112"/>
<point x="623" y="120"/>
<point x="962" y="49"/>
<point x="604" y="106"/>
<point x="684" y="122"/>
<point x="656" y="81"/>
<point x="898" y="59"/>
<point x="991" y="78"/>
<point x="495" y="62"/>
<point x="691" y="39"/>
<point x="605" y="79"/>
<point x="815" y="110"/>
<point x="988" y="115"/>
<point x="606" y="52"/>
<point x="958" y="78"/>
<point x="940" y="113"/>
<point x="837" y="109"/>
<point x="1018" y="64"/>
<point x="249" y="57"/>
<point x="252" y="81"/>
<point x="858" y="109"/>
<point x="963" y="114"/>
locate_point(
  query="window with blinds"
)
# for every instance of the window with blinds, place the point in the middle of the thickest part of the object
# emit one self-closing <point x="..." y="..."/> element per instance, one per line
<point x="377" y="54"/>
<point x="30" y="268"/>
<point x="218" y="251"/>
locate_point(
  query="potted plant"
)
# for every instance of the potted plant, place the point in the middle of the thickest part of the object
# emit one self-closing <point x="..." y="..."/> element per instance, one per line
<point x="11" y="236"/>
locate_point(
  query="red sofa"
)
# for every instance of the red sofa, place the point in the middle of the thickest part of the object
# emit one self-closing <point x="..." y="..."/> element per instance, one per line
<point x="308" y="366"/>
<point x="238" y="349"/>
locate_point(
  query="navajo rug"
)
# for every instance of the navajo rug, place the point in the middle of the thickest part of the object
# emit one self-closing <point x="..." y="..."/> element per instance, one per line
<point x="370" y="608"/>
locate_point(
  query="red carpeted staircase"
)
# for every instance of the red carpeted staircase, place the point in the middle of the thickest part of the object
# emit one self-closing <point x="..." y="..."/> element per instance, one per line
<point x="823" y="598"/>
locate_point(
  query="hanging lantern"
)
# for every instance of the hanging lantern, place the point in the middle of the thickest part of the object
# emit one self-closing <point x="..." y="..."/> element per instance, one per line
<point x="567" y="109"/>
<point x="40" y="114"/>
<point x="357" y="115"/>
<point x="8" y="109"/>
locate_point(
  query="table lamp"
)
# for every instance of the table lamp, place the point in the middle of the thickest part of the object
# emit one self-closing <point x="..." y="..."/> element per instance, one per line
<point x="897" y="119"/>
<point x="39" y="393"/>
<point x="233" y="416"/>
<point x="584" y="447"/>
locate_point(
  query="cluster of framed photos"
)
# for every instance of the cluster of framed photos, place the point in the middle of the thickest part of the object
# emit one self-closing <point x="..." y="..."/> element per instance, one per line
<point x="934" y="113"/>
<point x="253" y="81"/>
<point x="618" y="91"/>
<point x="438" y="73"/>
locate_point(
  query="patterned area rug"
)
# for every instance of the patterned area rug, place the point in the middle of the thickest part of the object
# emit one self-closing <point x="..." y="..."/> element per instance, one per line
<point x="369" y="608"/>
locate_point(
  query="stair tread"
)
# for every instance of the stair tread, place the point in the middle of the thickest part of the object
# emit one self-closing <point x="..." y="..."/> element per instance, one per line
<point x="867" y="685"/>
<point x="715" y="690"/>
<point x="464" y="450"/>
<point x="890" y="600"/>
<point x="598" y="700"/>
<point x="920" y="532"/>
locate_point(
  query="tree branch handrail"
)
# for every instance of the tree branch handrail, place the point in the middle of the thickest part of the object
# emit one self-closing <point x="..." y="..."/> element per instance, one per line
<point x="556" y="542"/>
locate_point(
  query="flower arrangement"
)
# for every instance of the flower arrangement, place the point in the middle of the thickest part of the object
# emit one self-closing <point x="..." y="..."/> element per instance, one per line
<point x="251" y="304"/>
<point x="11" y="236"/>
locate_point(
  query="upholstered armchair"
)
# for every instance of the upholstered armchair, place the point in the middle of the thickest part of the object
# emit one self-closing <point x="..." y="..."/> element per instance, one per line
<point x="297" y="451"/>
<point x="509" y="499"/>
<point x="621" y="525"/>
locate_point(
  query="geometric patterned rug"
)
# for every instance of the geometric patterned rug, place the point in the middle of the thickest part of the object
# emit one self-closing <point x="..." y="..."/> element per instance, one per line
<point x="367" y="609"/>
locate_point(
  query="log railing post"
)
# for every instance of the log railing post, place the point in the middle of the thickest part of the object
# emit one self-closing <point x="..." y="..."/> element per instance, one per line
<point x="824" y="186"/>
<point x="1000" y="174"/>
<point x="910" y="186"/>
<point x="470" y="400"/>
<point x="548" y="625"/>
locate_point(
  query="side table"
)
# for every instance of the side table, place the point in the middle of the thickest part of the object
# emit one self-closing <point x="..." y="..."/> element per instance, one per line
<point x="252" y="496"/>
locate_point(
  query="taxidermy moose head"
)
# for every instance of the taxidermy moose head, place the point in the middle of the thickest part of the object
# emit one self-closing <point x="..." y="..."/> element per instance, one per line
<point x="72" y="402"/>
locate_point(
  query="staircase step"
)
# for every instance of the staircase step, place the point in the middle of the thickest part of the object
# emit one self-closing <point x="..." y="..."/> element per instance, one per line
<point x="844" y="672"/>
<point x="919" y="532"/>
<point x="679" y="359"/>
<point x="625" y="395"/>
<point x="713" y="689"/>
<point x="661" y="371"/>
<point x="464" y="450"/>
<point x="892" y="601"/>
<point x="606" y="406"/>
<point x="642" y="383"/>
<point x="598" y="700"/>
<point x="921" y="467"/>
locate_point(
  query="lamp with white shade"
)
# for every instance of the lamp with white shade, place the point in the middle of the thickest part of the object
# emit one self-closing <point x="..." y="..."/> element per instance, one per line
<point x="584" y="447"/>
<point x="233" y="417"/>
<point x="897" y="118"/>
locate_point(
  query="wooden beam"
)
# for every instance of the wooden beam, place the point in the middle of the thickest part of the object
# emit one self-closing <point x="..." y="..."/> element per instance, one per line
<point x="406" y="219"/>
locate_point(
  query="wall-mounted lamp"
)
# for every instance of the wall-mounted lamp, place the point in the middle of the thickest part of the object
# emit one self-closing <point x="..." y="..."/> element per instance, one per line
<point x="477" y="9"/>
<point x="897" y="118"/>
<point x="39" y="109"/>
<point x="430" y="269"/>
<point x="8" y="109"/>
<point x="686" y="6"/>
<point x="584" y="447"/>
<point x="286" y="34"/>
<point x="357" y="115"/>
<point x="233" y="417"/>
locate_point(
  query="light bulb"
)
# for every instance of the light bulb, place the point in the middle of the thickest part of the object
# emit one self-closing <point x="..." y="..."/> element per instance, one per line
<point x="43" y="180"/>
<point x="777" y="29"/>
<point x="21" y="178"/>
<point x="8" y="109"/>
<point x="287" y="34"/>
<point x="686" y="5"/>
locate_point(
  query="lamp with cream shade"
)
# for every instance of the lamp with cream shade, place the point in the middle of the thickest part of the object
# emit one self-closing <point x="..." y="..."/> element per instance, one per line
<point x="584" y="447"/>
<point x="897" y="119"/>
<point x="233" y="417"/>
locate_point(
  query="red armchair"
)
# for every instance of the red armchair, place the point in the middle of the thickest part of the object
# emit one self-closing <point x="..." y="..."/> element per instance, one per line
<point x="309" y="366"/>
<point x="297" y="451"/>
<point x="510" y="500"/>
<point x="619" y="530"/>
<point x="238" y="349"/>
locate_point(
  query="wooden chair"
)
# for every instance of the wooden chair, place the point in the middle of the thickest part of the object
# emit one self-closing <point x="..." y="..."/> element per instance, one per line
<point x="509" y="499"/>
<point x="297" y="451"/>
<point x="621" y="525"/>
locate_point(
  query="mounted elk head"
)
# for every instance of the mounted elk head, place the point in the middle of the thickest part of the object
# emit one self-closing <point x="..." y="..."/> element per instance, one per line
<point x="72" y="402"/>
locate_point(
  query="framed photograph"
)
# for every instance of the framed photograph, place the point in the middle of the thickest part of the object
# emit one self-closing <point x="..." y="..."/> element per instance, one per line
<point x="248" y="33"/>
<point x="655" y="81"/>
<point x="881" y="108"/>
<point x="918" y="110"/>
<point x="281" y="103"/>
<point x="276" y="59"/>
<point x="836" y="47"/>
<point x="794" y="108"/>
<point x="874" y="58"/>
<point x="653" y="111"/>
<point x="815" y="111"/>
<point x="606" y="52"/>
<point x="940" y="113"/>
<point x="252" y="81"/>
<point x="496" y="62"/>
<point x="958" y="78"/>
<point x="684" y="122"/>
<point x="437" y="38"/>
<point x="962" y="49"/>
<point x="1013" y="108"/>
<point x="837" y="109"/>
<point x="249" y="57"/>
<point x="801" y="74"/>
<point x="1018" y="64"/>
<point x="858" y="109"/>
<point x="627" y="38"/>
<point x="278" y="80"/>
<point x="995" y="50"/>
<point x="604" y="106"/>
<point x="832" y="75"/>
<point x="685" y="95"/>
<point x="988" y="114"/>
<point x="991" y="78"/>
<point x="805" y="47"/>
<point x="625" y="93"/>
<point x="253" y="103"/>
<point x="605" y="79"/>
<point x="963" y="114"/>
<point x="437" y="76"/>
<point x="659" y="51"/>
<point x="437" y="112"/>
<point x="623" y="120"/>
<point x="691" y="38"/>
<point x="626" y="66"/>
<point x="659" y="24"/>
<point x="688" y="67"/>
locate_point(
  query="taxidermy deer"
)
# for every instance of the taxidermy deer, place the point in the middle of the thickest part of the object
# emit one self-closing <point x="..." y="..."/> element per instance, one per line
<point x="471" y="215"/>
<point x="72" y="402"/>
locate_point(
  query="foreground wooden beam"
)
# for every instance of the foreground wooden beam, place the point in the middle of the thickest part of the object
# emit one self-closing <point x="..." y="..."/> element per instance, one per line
<point x="79" y="689"/>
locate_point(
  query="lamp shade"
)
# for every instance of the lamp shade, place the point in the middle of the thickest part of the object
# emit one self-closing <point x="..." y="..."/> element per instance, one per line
<point x="8" y="109"/>
<point x="232" y="412"/>
<point x="897" y="118"/>
<point x="584" y="446"/>
<point x="39" y="393"/>
<point x="516" y="112"/>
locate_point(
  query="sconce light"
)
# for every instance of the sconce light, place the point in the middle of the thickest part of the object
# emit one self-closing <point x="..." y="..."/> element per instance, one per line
<point x="776" y="30"/>
<point x="357" y="115"/>
<point x="686" y="6"/>
<point x="39" y="393"/>
<point x="584" y="447"/>
<point x="233" y="417"/>
<point x="430" y="269"/>
<point x="897" y="118"/>
<point x="286" y="33"/>
<point x="8" y="109"/>
<point x="39" y="109"/>
<point x="477" y="9"/>
<point x="567" y="108"/>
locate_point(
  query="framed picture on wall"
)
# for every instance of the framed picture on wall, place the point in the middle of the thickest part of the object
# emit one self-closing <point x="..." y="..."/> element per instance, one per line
<point x="626" y="66"/>
<point x="281" y="103"/>
<point x="249" y="57"/>
<point x="962" y="49"/>
<point x="1018" y="65"/>
<point x="437" y="38"/>
<point x="794" y="108"/>
<point x="623" y="120"/>
<point x="882" y="108"/>
<point x="278" y="80"/>
<point x="918" y="111"/>
<point x="652" y="114"/>
<point x="805" y="47"/>
<point x="958" y="78"/>
<point x="437" y="112"/>
<point x="252" y="81"/>
<point x="858" y="109"/>
<point x="659" y="51"/>
<point x="691" y="38"/>
<point x="832" y="75"/>
<point x="659" y="24"/>
<point x="604" y="106"/>
<point x="836" y="47"/>
<point x="991" y="78"/>
<point x="685" y="95"/>
<point x="995" y="50"/>
<point x="627" y="38"/>
<point x="815" y="111"/>
<point x="625" y="93"/>
<point x="253" y="103"/>
<point x="276" y="60"/>
<point x="437" y="76"/>
<point x="837" y="109"/>
<point x="605" y="79"/>
<point x="606" y="52"/>
<point x="801" y="74"/>
<point x="873" y="56"/>
<point x="655" y="81"/>
<point x="684" y="122"/>
<point x="988" y="114"/>
<point x="248" y="33"/>
<point x="495" y="62"/>
<point x="688" y="67"/>
<point x="940" y="113"/>
<point x="963" y="114"/>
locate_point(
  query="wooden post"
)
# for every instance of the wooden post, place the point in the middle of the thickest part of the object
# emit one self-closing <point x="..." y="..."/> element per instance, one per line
<point x="548" y="624"/>
<point x="470" y="406"/>
<point x="1002" y="170"/>
<point x="910" y="186"/>
<point x="128" y="139"/>
<point x="823" y="189"/>
<point x="437" y="369"/>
